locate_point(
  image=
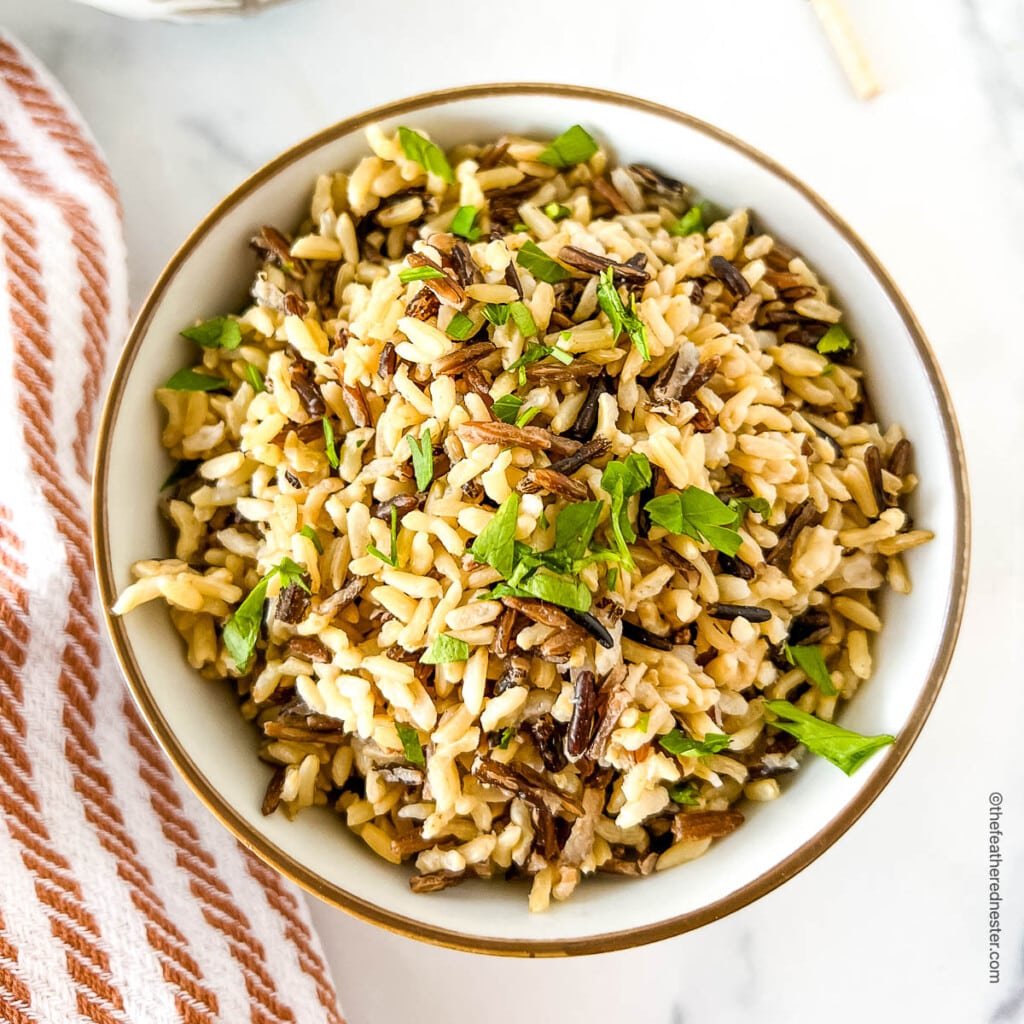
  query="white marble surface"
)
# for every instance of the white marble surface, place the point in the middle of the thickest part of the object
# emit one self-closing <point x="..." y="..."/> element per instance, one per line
<point x="891" y="924"/>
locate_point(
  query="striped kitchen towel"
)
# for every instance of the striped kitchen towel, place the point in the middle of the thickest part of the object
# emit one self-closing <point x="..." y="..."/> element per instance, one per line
<point x="121" y="899"/>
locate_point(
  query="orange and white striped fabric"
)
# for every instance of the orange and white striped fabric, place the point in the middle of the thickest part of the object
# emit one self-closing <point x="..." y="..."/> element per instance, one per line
<point x="121" y="899"/>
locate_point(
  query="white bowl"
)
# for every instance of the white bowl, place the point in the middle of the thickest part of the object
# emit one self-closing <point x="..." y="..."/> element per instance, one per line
<point x="197" y="722"/>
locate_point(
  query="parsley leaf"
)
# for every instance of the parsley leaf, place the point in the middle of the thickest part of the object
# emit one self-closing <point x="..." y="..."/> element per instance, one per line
<point x="759" y="505"/>
<point x="311" y="535"/>
<point x="691" y="222"/>
<point x="613" y="578"/>
<point x="220" y="332"/>
<point x="534" y="353"/>
<point x="697" y="514"/>
<point x="622" y="319"/>
<point x="809" y="659"/>
<point x="422" y="458"/>
<point x="533" y="258"/>
<point x="411" y="746"/>
<point x="507" y="408"/>
<point x="496" y="313"/>
<point x="463" y="223"/>
<point x="419" y="274"/>
<point x="835" y="339"/>
<point x="507" y="735"/>
<point x="522" y="318"/>
<point x="460" y="327"/>
<point x="391" y="559"/>
<point x="329" y="448"/>
<point x="556" y="211"/>
<point x="574" y="529"/>
<point x="496" y="543"/>
<point x="255" y="378"/>
<point x="189" y="380"/>
<point x="622" y="480"/>
<point x="445" y="649"/>
<point x="545" y="585"/>
<point x="677" y="742"/>
<point x="684" y="793"/>
<point x="426" y="153"/>
<point x="572" y="147"/>
<point x="847" y="750"/>
<point x="242" y="630"/>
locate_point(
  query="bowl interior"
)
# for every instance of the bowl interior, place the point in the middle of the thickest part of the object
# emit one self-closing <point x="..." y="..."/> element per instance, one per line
<point x="215" y="748"/>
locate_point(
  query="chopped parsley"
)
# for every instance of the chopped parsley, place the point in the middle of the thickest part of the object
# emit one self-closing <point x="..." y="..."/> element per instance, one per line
<point x="460" y="327"/>
<point x="835" y="339"/>
<point x="255" y="378"/>
<point x="420" y="274"/>
<point x="422" y="458"/>
<point x="847" y="750"/>
<point x="622" y="480"/>
<point x="411" y="746"/>
<point x="311" y="535"/>
<point x="220" y="332"/>
<point x="391" y="559"/>
<point x="678" y="743"/>
<point x="573" y="146"/>
<point x="523" y="319"/>
<point x="622" y="319"/>
<point x="759" y="505"/>
<point x="691" y="223"/>
<point x="496" y="543"/>
<point x="242" y="630"/>
<point x="684" y="793"/>
<point x="190" y="380"/>
<point x="809" y="659"/>
<point x="697" y="514"/>
<point x="509" y="409"/>
<point x="533" y="258"/>
<point x="506" y="737"/>
<point x="496" y="313"/>
<point x="556" y="211"/>
<point x="329" y="446"/>
<point x="534" y="353"/>
<point x="464" y="223"/>
<point x="426" y="153"/>
<point x="445" y="649"/>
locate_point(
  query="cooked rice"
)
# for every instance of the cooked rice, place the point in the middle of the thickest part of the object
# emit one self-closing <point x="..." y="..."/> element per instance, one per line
<point x="751" y="409"/>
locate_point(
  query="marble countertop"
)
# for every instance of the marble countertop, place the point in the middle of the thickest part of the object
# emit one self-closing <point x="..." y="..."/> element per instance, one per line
<point x="891" y="923"/>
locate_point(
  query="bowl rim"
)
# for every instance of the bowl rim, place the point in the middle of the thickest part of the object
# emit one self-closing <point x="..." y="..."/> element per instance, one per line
<point x="333" y="894"/>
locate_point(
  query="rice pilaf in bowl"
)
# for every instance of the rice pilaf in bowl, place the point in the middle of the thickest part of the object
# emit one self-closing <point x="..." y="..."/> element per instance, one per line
<point x="534" y="508"/>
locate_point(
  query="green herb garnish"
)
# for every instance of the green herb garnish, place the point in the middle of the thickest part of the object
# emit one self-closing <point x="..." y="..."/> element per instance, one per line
<point x="574" y="529"/>
<point x="835" y="339"/>
<point x="507" y="408"/>
<point x="422" y="458"/>
<point x="697" y="514"/>
<point x="556" y="211"/>
<point x="549" y="586"/>
<point x="189" y="380"/>
<point x="684" y="793"/>
<point x="573" y="146"/>
<point x="311" y="535"/>
<point x="523" y="319"/>
<point x="613" y="578"/>
<point x="506" y="737"/>
<point x="809" y="659"/>
<point x="426" y="153"/>
<point x="759" y="505"/>
<point x="460" y="327"/>
<point x="643" y="721"/>
<point x="411" y="745"/>
<point x="242" y="630"/>
<point x="329" y="447"/>
<point x="534" y="353"/>
<point x="678" y="743"/>
<point x="496" y="313"/>
<point x="391" y="559"/>
<point x="445" y="649"/>
<point x="420" y="274"/>
<point x="533" y="258"/>
<point x="463" y="223"/>
<point x="496" y="543"/>
<point x="622" y="319"/>
<point x="691" y="223"/>
<point x="255" y="378"/>
<point x="845" y="749"/>
<point x="220" y="332"/>
<point x="622" y="480"/>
